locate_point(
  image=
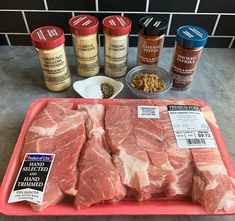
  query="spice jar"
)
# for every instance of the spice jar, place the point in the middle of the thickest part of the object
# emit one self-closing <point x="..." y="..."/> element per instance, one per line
<point x="190" y="41"/>
<point x="49" y="42"/>
<point x="151" y="38"/>
<point x="116" y="30"/>
<point x="84" y="30"/>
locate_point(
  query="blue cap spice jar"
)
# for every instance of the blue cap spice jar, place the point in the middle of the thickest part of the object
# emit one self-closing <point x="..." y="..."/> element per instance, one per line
<point x="189" y="43"/>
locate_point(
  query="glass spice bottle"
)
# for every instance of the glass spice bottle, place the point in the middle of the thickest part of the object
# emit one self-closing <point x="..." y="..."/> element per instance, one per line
<point x="189" y="44"/>
<point x="116" y="29"/>
<point x="49" y="43"/>
<point x="84" y="30"/>
<point x="152" y="31"/>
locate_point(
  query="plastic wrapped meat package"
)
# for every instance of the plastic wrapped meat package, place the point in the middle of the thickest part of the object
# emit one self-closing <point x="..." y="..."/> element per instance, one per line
<point x="125" y="157"/>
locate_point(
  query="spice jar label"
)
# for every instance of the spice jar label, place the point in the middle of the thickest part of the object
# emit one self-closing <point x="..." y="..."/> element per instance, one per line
<point x="84" y="30"/>
<point x="55" y="69"/>
<point x="190" y="41"/>
<point x="49" y="42"/>
<point x="116" y="30"/>
<point x="86" y="50"/>
<point x="190" y="127"/>
<point x="183" y="66"/>
<point x="152" y="30"/>
<point x="116" y="55"/>
<point x="149" y="49"/>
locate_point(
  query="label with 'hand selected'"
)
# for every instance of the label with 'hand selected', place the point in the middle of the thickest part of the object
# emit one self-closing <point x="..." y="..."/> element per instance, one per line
<point x="32" y="178"/>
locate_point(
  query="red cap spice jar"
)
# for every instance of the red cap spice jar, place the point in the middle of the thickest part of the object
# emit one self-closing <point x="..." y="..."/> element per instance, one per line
<point x="151" y="38"/>
<point x="84" y="30"/>
<point x="49" y="42"/>
<point x="190" y="41"/>
<point x="116" y="29"/>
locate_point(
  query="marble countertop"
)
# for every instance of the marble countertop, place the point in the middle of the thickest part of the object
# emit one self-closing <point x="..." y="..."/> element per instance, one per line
<point x="21" y="82"/>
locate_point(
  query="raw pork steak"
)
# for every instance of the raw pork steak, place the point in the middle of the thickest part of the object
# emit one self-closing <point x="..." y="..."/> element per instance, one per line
<point x="98" y="179"/>
<point x="212" y="187"/>
<point x="57" y="129"/>
<point x="180" y="159"/>
<point x="131" y="160"/>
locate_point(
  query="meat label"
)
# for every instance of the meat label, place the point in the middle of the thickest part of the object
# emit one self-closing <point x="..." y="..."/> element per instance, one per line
<point x="32" y="178"/>
<point x="190" y="127"/>
<point x="148" y="112"/>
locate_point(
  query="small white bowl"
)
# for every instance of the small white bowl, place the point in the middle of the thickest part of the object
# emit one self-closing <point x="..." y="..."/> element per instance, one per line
<point x="90" y="87"/>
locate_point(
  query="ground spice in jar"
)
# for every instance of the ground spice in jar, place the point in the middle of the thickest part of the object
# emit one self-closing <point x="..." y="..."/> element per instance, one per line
<point x="84" y="30"/>
<point x="116" y="30"/>
<point x="152" y="31"/>
<point x="190" y="41"/>
<point x="49" y="42"/>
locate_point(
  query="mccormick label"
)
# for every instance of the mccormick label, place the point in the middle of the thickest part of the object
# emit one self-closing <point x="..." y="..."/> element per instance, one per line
<point x="190" y="127"/>
<point x="32" y="178"/>
<point x="148" y="112"/>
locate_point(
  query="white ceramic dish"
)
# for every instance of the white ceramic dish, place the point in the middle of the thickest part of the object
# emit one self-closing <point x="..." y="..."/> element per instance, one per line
<point x="90" y="87"/>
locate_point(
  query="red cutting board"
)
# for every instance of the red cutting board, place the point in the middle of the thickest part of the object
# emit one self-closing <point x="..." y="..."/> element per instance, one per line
<point x="125" y="207"/>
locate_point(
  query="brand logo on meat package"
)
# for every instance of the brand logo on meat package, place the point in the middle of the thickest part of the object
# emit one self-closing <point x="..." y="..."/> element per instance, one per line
<point x="183" y="108"/>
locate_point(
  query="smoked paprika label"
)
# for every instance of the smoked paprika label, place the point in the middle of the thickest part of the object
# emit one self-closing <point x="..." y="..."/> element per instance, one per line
<point x="184" y="64"/>
<point x="149" y="49"/>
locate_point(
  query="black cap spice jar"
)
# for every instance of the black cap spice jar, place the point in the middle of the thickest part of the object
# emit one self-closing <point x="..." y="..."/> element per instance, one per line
<point x="49" y="42"/>
<point x="152" y="30"/>
<point x="190" y="41"/>
<point x="116" y="29"/>
<point x="84" y="30"/>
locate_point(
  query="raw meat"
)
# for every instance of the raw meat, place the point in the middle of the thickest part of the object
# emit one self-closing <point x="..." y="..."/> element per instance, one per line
<point x="212" y="187"/>
<point x="44" y="125"/>
<point x="131" y="160"/>
<point x="95" y="118"/>
<point x="149" y="133"/>
<point x="69" y="139"/>
<point x="180" y="159"/>
<point x="58" y="129"/>
<point x="125" y="153"/>
<point x="98" y="179"/>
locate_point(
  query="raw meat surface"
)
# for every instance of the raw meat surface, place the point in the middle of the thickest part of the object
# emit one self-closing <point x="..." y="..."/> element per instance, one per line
<point x="131" y="160"/>
<point x="57" y="129"/>
<point x="98" y="179"/>
<point x="149" y="133"/>
<point x="95" y="118"/>
<point x="69" y="138"/>
<point x="44" y="125"/>
<point x="212" y="186"/>
<point x="124" y="155"/>
<point x="180" y="159"/>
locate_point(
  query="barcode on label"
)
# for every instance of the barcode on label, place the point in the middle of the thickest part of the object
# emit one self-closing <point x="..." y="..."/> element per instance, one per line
<point x="195" y="141"/>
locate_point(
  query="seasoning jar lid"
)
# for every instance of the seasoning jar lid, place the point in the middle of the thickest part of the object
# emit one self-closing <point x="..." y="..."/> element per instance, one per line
<point x="116" y="25"/>
<point x="152" y="25"/>
<point x="191" y="36"/>
<point x="48" y="37"/>
<point x="84" y="25"/>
